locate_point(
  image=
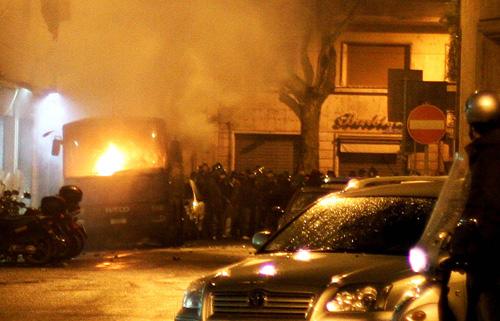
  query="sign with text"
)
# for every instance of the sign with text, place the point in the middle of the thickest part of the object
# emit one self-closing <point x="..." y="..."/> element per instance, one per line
<point x="351" y="121"/>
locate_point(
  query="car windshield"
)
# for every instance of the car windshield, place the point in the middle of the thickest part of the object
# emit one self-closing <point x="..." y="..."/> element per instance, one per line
<point x="375" y="225"/>
<point x="103" y="147"/>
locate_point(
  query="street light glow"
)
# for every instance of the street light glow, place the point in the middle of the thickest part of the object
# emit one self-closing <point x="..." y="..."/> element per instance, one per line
<point x="50" y="112"/>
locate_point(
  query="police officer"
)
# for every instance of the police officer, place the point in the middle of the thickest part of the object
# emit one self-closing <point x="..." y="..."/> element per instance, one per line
<point x="476" y="240"/>
<point x="177" y="193"/>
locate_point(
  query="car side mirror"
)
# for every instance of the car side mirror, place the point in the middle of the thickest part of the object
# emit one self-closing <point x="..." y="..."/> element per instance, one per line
<point x="56" y="147"/>
<point x="260" y="238"/>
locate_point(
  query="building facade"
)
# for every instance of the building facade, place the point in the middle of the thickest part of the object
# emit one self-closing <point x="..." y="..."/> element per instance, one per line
<point x="357" y="132"/>
<point x="480" y="53"/>
<point x="17" y="155"/>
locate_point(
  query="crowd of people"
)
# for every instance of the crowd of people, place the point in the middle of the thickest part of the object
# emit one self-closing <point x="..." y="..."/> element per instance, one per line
<point x="237" y="204"/>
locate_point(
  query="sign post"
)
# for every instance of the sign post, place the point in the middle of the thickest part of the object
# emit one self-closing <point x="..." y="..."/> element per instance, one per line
<point x="426" y="125"/>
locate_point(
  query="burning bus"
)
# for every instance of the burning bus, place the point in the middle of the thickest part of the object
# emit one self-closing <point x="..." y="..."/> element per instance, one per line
<point x="121" y="166"/>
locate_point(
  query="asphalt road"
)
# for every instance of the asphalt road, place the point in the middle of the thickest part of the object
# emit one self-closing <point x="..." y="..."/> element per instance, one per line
<point x="145" y="284"/>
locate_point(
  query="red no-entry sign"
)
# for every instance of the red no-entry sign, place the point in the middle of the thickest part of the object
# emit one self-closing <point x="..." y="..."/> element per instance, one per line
<point x="426" y="124"/>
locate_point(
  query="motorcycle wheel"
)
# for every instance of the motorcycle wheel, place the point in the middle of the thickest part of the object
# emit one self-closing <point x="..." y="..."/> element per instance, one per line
<point x="61" y="248"/>
<point x="43" y="253"/>
<point x="76" y="245"/>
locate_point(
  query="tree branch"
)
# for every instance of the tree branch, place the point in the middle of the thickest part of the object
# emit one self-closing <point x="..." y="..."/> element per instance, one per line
<point x="341" y="27"/>
<point x="307" y="67"/>
<point x="326" y="70"/>
<point x="291" y="102"/>
<point x="297" y="87"/>
<point x="297" y="84"/>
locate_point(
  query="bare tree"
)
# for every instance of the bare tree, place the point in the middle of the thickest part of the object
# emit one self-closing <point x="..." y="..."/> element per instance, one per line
<point x="305" y="95"/>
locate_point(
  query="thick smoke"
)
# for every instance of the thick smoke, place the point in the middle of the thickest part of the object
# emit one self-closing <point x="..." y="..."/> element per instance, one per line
<point x="179" y="60"/>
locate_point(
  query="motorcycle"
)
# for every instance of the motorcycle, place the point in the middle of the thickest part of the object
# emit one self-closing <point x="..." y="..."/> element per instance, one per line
<point x="28" y="236"/>
<point x="23" y="235"/>
<point x="51" y="233"/>
<point x="61" y="213"/>
<point x="73" y="196"/>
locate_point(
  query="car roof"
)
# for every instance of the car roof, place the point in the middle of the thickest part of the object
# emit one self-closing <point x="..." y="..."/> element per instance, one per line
<point x="337" y="180"/>
<point x="415" y="189"/>
<point x="376" y="181"/>
<point x="315" y="189"/>
<point x="336" y="184"/>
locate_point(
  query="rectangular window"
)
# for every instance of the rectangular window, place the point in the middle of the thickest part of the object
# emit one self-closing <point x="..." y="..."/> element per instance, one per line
<point x="366" y="65"/>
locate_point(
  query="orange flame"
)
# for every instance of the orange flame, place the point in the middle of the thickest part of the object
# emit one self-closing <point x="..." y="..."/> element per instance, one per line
<point x="112" y="161"/>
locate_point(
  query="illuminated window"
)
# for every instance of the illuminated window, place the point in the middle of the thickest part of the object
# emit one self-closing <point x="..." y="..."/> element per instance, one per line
<point x="366" y="65"/>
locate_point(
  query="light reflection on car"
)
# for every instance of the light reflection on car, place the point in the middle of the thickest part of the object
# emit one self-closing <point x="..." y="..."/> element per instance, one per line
<point x="304" y="196"/>
<point x="343" y="258"/>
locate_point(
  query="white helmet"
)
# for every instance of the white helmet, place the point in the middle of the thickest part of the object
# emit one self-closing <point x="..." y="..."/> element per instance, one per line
<point x="483" y="108"/>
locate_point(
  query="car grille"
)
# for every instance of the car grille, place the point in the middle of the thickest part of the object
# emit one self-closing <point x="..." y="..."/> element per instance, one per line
<point x="260" y="304"/>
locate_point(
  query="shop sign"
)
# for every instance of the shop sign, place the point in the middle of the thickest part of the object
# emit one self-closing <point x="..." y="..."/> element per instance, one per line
<point x="350" y="121"/>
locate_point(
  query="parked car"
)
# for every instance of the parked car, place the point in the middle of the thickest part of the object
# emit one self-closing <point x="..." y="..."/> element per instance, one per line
<point x="342" y="258"/>
<point x="307" y="195"/>
<point x="356" y="183"/>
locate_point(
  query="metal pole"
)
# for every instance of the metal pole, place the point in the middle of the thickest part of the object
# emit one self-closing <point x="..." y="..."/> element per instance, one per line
<point x="439" y="158"/>
<point x="426" y="160"/>
<point x="404" y="165"/>
<point x="414" y="157"/>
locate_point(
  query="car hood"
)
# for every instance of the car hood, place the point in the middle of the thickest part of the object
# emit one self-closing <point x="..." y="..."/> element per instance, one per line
<point x="308" y="272"/>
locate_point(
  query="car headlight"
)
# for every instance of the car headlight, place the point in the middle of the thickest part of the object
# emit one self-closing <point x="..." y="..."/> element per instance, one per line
<point x="193" y="297"/>
<point x="419" y="260"/>
<point x="363" y="298"/>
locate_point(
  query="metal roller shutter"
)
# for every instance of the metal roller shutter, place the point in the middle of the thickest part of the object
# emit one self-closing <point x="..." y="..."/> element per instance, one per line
<point x="276" y="152"/>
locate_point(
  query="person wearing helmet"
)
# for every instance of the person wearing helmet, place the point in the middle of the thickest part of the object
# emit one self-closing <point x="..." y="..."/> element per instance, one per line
<point x="475" y="242"/>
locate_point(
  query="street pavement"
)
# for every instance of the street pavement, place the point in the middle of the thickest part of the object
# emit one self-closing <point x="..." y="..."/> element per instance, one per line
<point x="125" y="285"/>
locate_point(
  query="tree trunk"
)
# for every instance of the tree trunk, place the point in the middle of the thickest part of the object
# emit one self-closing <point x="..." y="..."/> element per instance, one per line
<point x="309" y="132"/>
